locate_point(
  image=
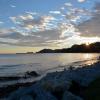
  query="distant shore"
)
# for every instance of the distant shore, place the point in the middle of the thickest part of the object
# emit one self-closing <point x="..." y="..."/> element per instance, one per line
<point x="83" y="48"/>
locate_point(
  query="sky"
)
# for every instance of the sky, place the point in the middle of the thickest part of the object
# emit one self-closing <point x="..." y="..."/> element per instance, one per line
<point x="31" y="25"/>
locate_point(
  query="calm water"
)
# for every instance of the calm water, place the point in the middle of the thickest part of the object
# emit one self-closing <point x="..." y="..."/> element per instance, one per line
<point x="17" y="65"/>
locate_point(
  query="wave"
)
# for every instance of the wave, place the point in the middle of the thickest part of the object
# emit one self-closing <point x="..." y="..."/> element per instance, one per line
<point x="35" y="75"/>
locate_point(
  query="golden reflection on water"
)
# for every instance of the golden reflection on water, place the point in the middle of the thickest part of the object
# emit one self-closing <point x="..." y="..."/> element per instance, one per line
<point x="90" y="59"/>
<point x="84" y="58"/>
<point x="88" y="56"/>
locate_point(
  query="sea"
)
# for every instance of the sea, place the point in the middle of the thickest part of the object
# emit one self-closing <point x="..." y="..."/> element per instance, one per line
<point x="17" y="65"/>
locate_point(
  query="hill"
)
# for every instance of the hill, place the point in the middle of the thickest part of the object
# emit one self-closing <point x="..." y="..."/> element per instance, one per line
<point x="83" y="48"/>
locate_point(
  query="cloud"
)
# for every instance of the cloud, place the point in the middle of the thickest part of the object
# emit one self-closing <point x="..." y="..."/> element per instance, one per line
<point x="38" y="23"/>
<point x="13" y="6"/>
<point x="81" y="1"/>
<point x="55" y="12"/>
<point x="75" y="14"/>
<point x="31" y="13"/>
<point x="13" y="37"/>
<point x="33" y="29"/>
<point x="68" y="4"/>
<point x="91" y="27"/>
<point x="51" y="37"/>
<point x="21" y="18"/>
<point x="40" y="30"/>
<point x="67" y="30"/>
<point x="4" y="31"/>
<point x="1" y="22"/>
<point x="79" y="40"/>
<point x="57" y="28"/>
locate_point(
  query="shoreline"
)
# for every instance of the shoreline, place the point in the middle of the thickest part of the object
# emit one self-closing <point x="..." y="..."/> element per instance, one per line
<point x="57" y="79"/>
<point x="32" y="76"/>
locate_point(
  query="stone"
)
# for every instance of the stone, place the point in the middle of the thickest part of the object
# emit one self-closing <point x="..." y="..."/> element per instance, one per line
<point x="69" y="96"/>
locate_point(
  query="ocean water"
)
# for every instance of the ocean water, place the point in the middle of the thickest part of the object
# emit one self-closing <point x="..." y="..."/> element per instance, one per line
<point x="19" y="64"/>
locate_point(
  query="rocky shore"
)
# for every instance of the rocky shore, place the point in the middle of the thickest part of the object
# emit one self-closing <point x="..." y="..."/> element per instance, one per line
<point x="69" y="84"/>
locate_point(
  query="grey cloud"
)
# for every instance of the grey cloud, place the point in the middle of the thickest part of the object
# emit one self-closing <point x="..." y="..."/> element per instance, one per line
<point x="29" y="21"/>
<point x="30" y="43"/>
<point x="50" y="34"/>
<point x="33" y="39"/>
<point x="14" y="35"/>
<point x="91" y="27"/>
<point x="33" y="30"/>
<point x="54" y="12"/>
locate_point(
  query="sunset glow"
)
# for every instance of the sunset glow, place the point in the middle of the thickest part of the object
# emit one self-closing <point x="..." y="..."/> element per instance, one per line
<point x="36" y="25"/>
<point x="87" y="43"/>
<point x="49" y="49"/>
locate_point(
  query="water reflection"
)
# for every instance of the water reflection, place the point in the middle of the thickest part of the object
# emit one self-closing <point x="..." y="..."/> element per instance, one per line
<point x="88" y="56"/>
<point x="90" y="59"/>
<point x="41" y="62"/>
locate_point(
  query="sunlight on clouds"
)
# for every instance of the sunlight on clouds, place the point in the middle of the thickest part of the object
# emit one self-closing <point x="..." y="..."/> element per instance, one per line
<point x="91" y="28"/>
<point x="55" y="12"/>
<point x="19" y="19"/>
<point x="2" y="40"/>
<point x="1" y="22"/>
<point x="17" y="49"/>
<point x="68" y="30"/>
<point x="26" y="17"/>
<point x="68" y="4"/>
<point x="13" y="6"/>
<point x="90" y="40"/>
<point x="51" y="30"/>
<point x="48" y="18"/>
<point x="4" y="31"/>
<point x="79" y="40"/>
<point x="31" y="13"/>
<point x="58" y="28"/>
<point x="36" y="23"/>
<point x="81" y="0"/>
<point x="28" y="27"/>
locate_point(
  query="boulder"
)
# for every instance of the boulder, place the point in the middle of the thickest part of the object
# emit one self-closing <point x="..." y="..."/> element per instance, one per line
<point x="34" y="92"/>
<point x="26" y="97"/>
<point x="69" y="96"/>
<point x="56" y="85"/>
<point x="33" y="73"/>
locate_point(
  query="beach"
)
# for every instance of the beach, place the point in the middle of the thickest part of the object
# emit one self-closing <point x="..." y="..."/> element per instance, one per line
<point x="21" y="68"/>
<point x="49" y="49"/>
<point x="68" y="84"/>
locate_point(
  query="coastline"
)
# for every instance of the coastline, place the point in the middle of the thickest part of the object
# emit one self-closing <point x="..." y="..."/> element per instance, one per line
<point x="56" y="82"/>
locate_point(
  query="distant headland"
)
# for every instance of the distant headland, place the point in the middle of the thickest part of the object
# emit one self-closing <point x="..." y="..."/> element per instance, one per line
<point x="83" y="48"/>
<point x="26" y="53"/>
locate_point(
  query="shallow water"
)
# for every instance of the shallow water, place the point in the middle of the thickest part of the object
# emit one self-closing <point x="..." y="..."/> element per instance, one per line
<point x="19" y="64"/>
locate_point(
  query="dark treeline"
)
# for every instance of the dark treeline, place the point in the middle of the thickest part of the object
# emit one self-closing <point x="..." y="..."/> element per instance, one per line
<point x="83" y="48"/>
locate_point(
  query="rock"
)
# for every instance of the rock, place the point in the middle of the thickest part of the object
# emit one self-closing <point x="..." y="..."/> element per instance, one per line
<point x="69" y="96"/>
<point x="59" y="83"/>
<point x="34" y="92"/>
<point x="18" y="94"/>
<point x="76" y="88"/>
<point x="45" y="96"/>
<point x="33" y="73"/>
<point x="26" y="97"/>
<point x="41" y="94"/>
<point x="56" y="85"/>
<point x="55" y="82"/>
<point x="71" y="68"/>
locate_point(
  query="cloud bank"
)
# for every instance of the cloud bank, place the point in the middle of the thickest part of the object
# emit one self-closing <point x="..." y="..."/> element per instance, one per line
<point x="58" y="28"/>
<point x="91" y="27"/>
